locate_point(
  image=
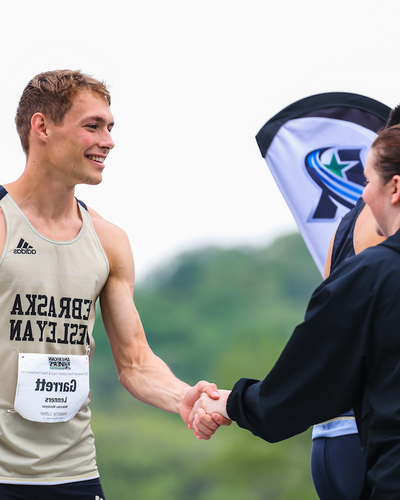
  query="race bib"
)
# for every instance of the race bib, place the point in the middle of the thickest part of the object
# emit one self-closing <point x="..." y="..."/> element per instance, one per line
<point x="51" y="388"/>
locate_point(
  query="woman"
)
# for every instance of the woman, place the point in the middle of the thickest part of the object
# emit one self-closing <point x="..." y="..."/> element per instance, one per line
<point x="346" y="354"/>
<point x="337" y="462"/>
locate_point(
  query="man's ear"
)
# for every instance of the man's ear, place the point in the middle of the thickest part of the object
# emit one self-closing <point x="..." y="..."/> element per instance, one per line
<point x="39" y="125"/>
<point x="395" y="189"/>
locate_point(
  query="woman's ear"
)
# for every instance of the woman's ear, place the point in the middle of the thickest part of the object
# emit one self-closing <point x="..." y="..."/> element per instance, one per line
<point x="395" y="189"/>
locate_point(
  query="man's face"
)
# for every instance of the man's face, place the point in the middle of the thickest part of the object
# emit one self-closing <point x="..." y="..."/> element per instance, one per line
<point x="78" y="148"/>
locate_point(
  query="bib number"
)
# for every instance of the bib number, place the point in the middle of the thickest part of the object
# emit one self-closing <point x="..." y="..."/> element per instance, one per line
<point x="51" y="388"/>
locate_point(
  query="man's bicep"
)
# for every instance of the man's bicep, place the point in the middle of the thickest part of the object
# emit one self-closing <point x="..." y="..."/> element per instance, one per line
<point x="117" y="294"/>
<point x="120" y="317"/>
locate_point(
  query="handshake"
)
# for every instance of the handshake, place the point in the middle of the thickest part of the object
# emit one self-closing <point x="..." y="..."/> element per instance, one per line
<point x="203" y="409"/>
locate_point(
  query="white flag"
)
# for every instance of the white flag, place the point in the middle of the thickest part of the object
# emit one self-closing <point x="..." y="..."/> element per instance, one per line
<point x="316" y="150"/>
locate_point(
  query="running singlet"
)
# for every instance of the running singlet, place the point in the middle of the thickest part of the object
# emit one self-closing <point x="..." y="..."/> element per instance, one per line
<point x="48" y="291"/>
<point x="343" y="248"/>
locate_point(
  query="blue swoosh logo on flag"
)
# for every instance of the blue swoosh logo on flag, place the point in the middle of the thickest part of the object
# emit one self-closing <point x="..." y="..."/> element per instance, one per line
<point x="339" y="173"/>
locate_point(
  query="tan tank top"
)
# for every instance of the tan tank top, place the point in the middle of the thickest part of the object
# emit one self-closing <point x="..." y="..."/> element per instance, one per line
<point x="48" y="291"/>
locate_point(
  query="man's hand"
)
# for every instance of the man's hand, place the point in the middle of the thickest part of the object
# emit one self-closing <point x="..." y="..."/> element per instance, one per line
<point x="207" y="408"/>
<point x="207" y="425"/>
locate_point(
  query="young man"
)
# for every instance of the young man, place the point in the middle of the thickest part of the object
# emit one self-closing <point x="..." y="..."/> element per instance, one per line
<point x="57" y="258"/>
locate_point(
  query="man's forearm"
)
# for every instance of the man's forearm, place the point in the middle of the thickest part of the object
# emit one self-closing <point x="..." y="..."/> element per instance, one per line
<point x="152" y="382"/>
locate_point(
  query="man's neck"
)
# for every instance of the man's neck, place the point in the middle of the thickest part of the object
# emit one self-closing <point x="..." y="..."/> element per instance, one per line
<point x="49" y="206"/>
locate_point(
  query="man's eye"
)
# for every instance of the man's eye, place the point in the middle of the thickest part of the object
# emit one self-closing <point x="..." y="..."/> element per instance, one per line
<point x="94" y="127"/>
<point x="366" y="182"/>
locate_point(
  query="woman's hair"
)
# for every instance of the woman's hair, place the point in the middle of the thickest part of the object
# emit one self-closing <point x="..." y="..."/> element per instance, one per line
<point x="394" y="117"/>
<point x="387" y="153"/>
<point x="51" y="93"/>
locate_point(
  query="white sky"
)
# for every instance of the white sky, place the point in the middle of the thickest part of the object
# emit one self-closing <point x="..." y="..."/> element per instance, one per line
<point x="192" y="82"/>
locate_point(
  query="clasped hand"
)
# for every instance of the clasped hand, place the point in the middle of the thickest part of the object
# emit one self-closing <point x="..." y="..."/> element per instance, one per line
<point x="208" y="409"/>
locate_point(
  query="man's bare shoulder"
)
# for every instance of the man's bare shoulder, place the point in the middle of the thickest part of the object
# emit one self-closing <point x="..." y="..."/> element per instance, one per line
<point x="113" y="239"/>
<point x="103" y="227"/>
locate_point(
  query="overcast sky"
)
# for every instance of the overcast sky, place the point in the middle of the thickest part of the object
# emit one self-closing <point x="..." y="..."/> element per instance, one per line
<point x="192" y="82"/>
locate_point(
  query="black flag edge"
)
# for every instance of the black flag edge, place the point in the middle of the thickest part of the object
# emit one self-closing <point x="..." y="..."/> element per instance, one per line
<point x="348" y="106"/>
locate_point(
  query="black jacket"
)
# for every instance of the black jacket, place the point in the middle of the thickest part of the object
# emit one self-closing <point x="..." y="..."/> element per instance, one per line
<point x="346" y="354"/>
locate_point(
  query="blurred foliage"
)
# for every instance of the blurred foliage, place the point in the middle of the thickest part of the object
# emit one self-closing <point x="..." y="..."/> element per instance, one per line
<point x="218" y="315"/>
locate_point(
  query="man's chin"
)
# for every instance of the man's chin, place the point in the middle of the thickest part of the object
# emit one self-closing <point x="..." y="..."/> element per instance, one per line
<point x="91" y="181"/>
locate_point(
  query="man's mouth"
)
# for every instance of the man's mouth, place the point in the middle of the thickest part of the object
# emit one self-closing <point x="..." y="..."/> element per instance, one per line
<point x="99" y="159"/>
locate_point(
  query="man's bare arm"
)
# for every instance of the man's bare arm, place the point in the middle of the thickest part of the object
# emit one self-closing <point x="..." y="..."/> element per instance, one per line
<point x="140" y="371"/>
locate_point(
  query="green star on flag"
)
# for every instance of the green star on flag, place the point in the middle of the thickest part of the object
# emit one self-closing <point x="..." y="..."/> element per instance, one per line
<point x="335" y="167"/>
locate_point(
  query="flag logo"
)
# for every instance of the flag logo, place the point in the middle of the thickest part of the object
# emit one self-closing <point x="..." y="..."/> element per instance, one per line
<point x="339" y="173"/>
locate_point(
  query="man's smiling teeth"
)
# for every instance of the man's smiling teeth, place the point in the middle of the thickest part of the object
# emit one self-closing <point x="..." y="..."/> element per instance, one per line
<point x="96" y="158"/>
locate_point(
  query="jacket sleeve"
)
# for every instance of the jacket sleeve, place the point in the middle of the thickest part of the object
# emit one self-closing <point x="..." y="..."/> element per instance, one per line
<point x="318" y="375"/>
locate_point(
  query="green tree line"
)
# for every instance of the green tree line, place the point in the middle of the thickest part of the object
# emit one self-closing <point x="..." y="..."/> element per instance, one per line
<point x="214" y="314"/>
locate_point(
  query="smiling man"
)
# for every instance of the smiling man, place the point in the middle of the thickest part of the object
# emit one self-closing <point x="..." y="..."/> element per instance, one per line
<point x="57" y="258"/>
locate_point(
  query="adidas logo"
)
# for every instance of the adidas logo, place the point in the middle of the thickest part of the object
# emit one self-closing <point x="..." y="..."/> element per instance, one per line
<point x="24" y="248"/>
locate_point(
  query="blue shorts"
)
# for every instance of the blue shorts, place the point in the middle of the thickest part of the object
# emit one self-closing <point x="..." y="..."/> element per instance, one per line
<point x="81" y="490"/>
